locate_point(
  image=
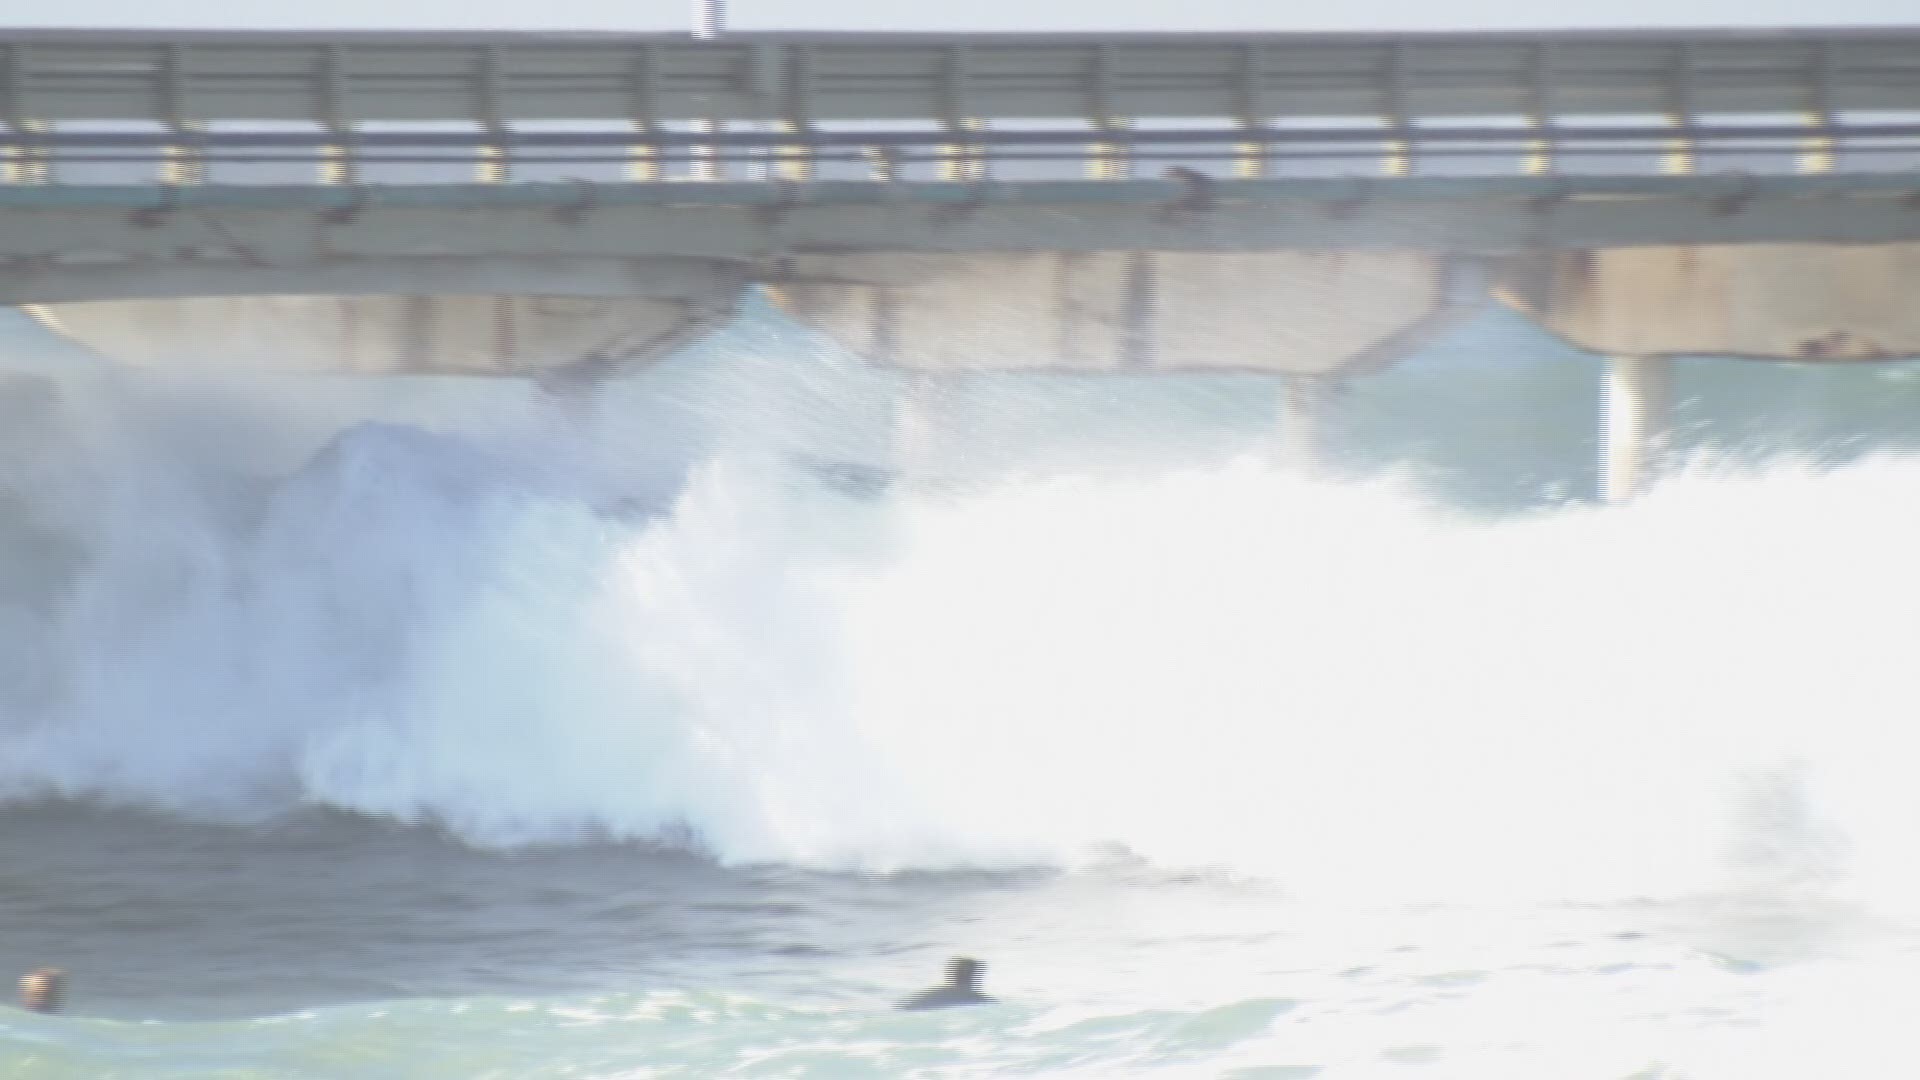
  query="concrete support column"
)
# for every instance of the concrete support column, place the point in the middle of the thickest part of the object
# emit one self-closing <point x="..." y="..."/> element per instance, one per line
<point x="1304" y="400"/>
<point x="915" y="427"/>
<point x="418" y="333"/>
<point x="1635" y="413"/>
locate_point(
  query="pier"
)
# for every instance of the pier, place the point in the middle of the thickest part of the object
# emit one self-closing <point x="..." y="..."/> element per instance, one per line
<point x="1308" y="205"/>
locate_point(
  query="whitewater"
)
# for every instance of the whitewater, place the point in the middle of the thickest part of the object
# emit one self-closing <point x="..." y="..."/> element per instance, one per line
<point x="457" y="730"/>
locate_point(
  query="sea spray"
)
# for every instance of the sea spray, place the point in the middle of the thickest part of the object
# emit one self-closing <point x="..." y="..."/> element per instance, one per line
<point x="1338" y="685"/>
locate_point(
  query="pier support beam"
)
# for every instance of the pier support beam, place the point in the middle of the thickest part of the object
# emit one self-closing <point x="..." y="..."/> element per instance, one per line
<point x="1635" y="413"/>
<point x="1304" y="400"/>
<point x="916" y="427"/>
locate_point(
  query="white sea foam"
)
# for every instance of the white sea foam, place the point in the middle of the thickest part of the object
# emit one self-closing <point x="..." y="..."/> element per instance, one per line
<point x="1335" y="684"/>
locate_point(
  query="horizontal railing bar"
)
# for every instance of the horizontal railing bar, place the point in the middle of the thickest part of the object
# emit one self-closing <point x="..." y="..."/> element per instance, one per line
<point x="928" y="158"/>
<point x="1894" y="186"/>
<point x="1734" y="35"/>
<point x="988" y="139"/>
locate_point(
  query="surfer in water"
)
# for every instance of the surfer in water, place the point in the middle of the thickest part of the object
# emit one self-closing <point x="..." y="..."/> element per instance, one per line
<point x="961" y="988"/>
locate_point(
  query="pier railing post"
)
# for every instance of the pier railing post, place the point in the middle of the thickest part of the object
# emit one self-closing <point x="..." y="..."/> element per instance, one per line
<point x="643" y="157"/>
<point x="1635" y="414"/>
<point x="182" y="162"/>
<point x="337" y="162"/>
<point x="491" y="159"/>
<point x="1819" y="153"/>
<point x="709" y="22"/>
<point x="26" y="164"/>
<point x="963" y="160"/>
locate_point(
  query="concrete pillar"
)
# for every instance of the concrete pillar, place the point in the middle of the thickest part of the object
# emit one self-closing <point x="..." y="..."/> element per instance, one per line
<point x="1635" y="412"/>
<point x="417" y="326"/>
<point x="915" y="427"/>
<point x="1304" y="400"/>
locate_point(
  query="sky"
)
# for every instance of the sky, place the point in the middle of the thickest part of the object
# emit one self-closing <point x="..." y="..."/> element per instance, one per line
<point x="977" y="15"/>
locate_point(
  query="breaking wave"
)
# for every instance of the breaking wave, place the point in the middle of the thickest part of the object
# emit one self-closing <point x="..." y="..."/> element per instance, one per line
<point x="1339" y="684"/>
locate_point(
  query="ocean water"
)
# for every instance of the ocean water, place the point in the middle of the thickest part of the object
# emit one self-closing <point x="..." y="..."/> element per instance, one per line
<point x="440" y="729"/>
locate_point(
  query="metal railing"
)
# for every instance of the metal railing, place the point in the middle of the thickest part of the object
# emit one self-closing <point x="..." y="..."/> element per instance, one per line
<point x="911" y="147"/>
<point x="959" y="107"/>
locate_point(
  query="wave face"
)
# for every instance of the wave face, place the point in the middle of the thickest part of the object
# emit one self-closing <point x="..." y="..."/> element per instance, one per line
<point x="516" y="633"/>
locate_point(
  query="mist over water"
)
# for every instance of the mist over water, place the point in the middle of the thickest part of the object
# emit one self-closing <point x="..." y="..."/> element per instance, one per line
<point x="1099" y="676"/>
<point x="1343" y="685"/>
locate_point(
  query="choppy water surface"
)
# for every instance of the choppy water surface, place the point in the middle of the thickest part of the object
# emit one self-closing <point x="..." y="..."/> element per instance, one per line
<point x="436" y="730"/>
<point x="333" y="947"/>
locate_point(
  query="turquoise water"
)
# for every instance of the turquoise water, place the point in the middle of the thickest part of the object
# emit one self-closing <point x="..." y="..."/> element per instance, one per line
<point x="436" y="729"/>
<point x="667" y="1035"/>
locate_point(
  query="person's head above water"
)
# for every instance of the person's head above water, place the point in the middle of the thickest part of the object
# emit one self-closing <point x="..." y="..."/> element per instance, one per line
<point x="963" y="973"/>
<point x="43" y="991"/>
<point x="961" y="988"/>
